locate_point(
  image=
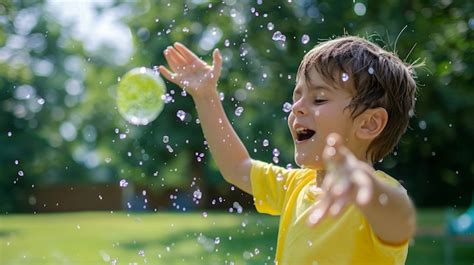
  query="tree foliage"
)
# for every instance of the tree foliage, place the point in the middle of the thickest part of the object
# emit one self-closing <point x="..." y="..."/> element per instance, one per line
<point x="59" y="122"/>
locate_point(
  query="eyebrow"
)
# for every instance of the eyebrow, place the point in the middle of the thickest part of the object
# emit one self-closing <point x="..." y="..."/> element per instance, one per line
<point x="318" y="87"/>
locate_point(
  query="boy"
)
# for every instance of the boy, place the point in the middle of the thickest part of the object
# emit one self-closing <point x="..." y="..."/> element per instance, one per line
<point x="351" y="104"/>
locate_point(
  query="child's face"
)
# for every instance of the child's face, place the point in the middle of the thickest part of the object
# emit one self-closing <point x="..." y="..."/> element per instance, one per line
<point x="319" y="108"/>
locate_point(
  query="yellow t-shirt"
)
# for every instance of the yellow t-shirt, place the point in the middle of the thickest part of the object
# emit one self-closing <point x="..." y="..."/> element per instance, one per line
<point x="348" y="239"/>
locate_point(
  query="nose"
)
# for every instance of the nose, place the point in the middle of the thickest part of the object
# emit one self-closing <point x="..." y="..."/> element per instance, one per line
<point x="299" y="108"/>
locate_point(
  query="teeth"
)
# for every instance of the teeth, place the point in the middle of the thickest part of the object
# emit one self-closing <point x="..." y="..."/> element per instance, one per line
<point x="300" y="130"/>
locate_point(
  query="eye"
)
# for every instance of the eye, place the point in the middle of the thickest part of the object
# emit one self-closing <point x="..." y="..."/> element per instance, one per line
<point x="319" y="101"/>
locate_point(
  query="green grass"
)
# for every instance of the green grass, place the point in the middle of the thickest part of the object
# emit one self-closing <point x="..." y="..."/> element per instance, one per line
<point x="173" y="238"/>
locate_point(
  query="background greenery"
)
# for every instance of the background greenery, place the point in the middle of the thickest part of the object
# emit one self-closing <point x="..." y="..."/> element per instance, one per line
<point x="59" y="122"/>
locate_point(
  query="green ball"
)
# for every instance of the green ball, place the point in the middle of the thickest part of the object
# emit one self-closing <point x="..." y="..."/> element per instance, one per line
<point x="140" y="96"/>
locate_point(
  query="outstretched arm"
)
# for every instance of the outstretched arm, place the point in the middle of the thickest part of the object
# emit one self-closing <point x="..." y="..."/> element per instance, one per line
<point x="200" y="80"/>
<point x="388" y="209"/>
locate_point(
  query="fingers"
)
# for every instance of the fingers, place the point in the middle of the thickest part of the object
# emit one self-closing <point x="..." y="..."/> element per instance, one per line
<point x="348" y="180"/>
<point x="335" y="151"/>
<point x="174" y="59"/>
<point x="188" y="55"/>
<point x="337" y="197"/>
<point x="167" y="74"/>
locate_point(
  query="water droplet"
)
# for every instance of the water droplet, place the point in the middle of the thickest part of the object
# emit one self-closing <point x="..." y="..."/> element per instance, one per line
<point x="197" y="194"/>
<point x="122" y="136"/>
<point x="345" y="77"/>
<point x="383" y="199"/>
<point x="167" y="98"/>
<point x="227" y="43"/>
<point x="166" y="139"/>
<point x="305" y="39"/>
<point x="221" y="96"/>
<point x="265" y="142"/>
<point x="249" y="86"/>
<point x="9" y="134"/>
<point x="41" y="101"/>
<point x="279" y="177"/>
<point x="181" y="115"/>
<point x="371" y="70"/>
<point x="422" y="125"/>
<point x="270" y="26"/>
<point x="238" y="111"/>
<point x="21" y="173"/>
<point x="16" y="162"/>
<point x="141" y="253"/>
<point x="276" y="160"/>
<point x="287" y="107"/>
<point x="360" y="9"/>
<point x="217" y="240"/>
<point x="278" y="36"/>
<point x="123" y="183"/>
<point x="238" y="207"/>
<point x="276" y="152"/>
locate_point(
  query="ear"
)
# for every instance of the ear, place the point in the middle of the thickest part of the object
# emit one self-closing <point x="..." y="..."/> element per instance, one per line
<point x="371" y="123"/>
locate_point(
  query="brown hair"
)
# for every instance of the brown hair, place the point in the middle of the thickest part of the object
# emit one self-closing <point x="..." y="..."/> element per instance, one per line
<point x="379" y="78"/>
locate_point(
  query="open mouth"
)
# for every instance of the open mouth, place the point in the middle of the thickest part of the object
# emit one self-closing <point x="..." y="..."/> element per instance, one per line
<point x="304" y="134"/>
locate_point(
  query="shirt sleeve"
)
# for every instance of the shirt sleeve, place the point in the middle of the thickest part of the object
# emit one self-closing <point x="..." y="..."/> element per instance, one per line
<point x="396" y="253"/>
<point x="270" y="185"/>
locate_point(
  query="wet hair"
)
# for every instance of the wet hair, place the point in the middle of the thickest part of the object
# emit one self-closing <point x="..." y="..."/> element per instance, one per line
<point x="379" y="79"/>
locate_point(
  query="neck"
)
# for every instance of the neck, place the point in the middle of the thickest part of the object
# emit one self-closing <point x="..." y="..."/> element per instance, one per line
<point x="320" y="173"/>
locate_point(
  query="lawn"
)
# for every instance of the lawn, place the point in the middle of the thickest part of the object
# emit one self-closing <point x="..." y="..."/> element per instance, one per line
<point x="173" y="238"/>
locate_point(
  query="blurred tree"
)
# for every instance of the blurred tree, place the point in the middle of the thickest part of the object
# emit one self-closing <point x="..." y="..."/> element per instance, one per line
<point x="58" y="76"/>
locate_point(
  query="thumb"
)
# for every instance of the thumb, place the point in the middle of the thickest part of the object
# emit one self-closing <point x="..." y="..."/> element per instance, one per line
<point x="336" y="155"/>
<point x="216" y="62"/>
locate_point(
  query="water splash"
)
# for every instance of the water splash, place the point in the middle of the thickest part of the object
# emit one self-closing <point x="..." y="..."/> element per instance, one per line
<point x="345" y="77"/>
<point x="270" y="26"/>
<point x="287" y="107"/>
<point x="265" y="142"/>
<point x="371" y="70"/>
<point x="305" y="39"/>
<point x="238" y="111"/>
<point x="181" y="115"/>
<point x="278" y="36"/>
<point x="123" y="183"/>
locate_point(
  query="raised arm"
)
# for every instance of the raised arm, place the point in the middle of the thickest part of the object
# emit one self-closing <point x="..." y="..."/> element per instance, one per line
<point x="200" y="80"/>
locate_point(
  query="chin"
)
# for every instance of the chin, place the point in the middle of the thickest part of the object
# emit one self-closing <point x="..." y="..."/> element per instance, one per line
<point x="306" y="162"/>
<point x="302" y="161"/>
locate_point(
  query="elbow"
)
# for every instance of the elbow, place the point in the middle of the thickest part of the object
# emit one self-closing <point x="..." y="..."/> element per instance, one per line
<point x="411" y="222"/>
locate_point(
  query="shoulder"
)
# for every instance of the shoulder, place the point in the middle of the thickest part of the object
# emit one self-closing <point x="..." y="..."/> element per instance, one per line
<point x="296" y="174"/>
<point x="386" y="178"/>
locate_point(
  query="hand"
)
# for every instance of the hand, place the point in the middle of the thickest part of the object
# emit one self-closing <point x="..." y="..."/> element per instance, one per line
<point x="189" y="72"/>
<point x="347" y="180"/>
